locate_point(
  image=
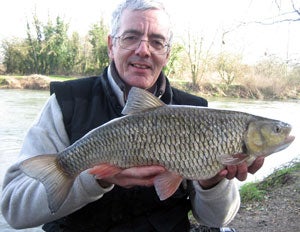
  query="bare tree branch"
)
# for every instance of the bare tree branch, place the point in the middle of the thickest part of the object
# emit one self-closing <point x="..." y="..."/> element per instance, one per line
<point x="294" y="7"/>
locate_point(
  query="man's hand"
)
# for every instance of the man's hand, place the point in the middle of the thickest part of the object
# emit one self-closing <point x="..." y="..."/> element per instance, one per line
<point x="127" y="178"/>
<point x="233" y="171"/>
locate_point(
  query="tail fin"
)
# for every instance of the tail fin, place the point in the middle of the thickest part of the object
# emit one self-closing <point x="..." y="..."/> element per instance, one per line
<point x="45" y="169"/>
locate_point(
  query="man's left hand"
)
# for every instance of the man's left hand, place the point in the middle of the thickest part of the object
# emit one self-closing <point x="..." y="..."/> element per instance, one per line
<point x="233" y="171"/>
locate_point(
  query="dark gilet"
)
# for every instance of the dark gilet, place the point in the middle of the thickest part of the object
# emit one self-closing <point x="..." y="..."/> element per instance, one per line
<point x="88" y="103"/>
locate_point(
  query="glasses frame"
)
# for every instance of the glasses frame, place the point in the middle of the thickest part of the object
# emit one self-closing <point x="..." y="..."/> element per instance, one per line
<point x="164" y="50"/>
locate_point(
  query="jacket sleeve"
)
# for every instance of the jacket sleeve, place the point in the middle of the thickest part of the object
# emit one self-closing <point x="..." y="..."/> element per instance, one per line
<point x="22" y="194"/>
<point x="215" y="207"/>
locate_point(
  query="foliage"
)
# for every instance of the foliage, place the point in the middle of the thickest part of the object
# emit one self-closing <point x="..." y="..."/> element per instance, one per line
<point x="271" y="67"/>
<point x="197" y="56"/>
<point x="279" y="177"/>
<point x="49" y="50"/>
<point x="172" y="67"/>
<point x="257" y="191"/>
<point x="250" y="192"/>
<point x="228" y="67"/>
<point x="97" y="38"/>
<point x="15" y="55"/>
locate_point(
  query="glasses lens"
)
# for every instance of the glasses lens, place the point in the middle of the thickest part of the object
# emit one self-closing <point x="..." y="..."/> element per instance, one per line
<point x="132" y="42"/>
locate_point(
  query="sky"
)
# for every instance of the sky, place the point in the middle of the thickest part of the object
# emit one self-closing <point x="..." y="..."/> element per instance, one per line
<point x="209" y="19"/>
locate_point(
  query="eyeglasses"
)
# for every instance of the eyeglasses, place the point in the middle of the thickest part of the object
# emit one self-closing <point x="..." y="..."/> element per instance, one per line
<point x="133" y="41"/>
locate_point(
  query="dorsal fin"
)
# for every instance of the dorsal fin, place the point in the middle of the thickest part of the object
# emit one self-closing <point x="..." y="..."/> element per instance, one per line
<point x="140" y="100"/>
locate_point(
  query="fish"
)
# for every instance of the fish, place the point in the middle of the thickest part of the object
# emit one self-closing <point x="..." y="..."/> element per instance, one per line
<point x="191" y="142"/>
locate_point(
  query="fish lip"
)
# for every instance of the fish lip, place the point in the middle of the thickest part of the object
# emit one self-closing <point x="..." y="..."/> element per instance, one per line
<point x="289" y="139"/>
<point x="287" y="142"/>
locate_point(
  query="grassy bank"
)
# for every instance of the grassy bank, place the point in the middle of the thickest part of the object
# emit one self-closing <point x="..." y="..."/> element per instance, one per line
<point x="213" y="88"/>
<point x="35" y="81"/>
<point x="257" y="191"/>
<point x="272" y="204"/>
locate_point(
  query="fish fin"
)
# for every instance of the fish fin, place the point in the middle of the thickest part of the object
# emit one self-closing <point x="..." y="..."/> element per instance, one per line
<point x="104" y="170"/>
<point x="45" y="169"/>
<point x="140" y="100"/>
<point x="233" y="160"/>
<point x="166" y="184"/>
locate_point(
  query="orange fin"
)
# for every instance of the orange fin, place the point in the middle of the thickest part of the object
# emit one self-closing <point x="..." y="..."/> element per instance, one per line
<point x="234" y="159"/>
<point x="104" y="170"/>
<point x="166" y="184"/>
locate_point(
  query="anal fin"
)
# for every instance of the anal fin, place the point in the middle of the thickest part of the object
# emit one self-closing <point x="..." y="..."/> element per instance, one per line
<point x="166" y="184"/>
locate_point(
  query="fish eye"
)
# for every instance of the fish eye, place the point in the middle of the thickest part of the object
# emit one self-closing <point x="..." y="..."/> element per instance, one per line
<point x="277" y="129"/>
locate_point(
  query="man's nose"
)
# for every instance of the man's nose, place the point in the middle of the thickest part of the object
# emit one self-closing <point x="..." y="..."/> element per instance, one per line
<point x="143" y="49"/>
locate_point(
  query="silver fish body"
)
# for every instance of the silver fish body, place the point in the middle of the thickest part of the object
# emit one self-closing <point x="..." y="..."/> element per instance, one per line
<point x="193" y="142"/>
<point x="186" y="140"/>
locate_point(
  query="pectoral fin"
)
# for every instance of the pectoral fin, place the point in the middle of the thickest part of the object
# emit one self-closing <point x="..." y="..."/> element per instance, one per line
<point x="104" y="170"/>
<point x="234" y="159"/>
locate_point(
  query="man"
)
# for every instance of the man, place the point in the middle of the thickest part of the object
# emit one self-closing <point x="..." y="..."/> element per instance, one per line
<point x="139" y="47"/>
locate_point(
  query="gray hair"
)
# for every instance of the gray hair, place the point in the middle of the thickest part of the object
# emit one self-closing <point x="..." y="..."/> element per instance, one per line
<point x="136" y="5"/>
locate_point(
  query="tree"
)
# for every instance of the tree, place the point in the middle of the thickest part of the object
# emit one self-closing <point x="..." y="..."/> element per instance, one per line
<point x="171" y="68"/>
<point x="35" y="45"/>
<point x="228" y="67"/>
<point x="55" y="51"/>
<point x="14" y="55"/>
<point x="98" y="40"/>
<point x="72" y="55"/>
<point x="198" y="58"/>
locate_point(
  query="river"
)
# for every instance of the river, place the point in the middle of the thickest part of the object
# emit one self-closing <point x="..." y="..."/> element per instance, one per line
<point x="20" y="107"/>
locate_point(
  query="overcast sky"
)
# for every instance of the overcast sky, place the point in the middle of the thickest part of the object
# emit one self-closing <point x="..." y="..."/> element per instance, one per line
<point x="209" y="18"/>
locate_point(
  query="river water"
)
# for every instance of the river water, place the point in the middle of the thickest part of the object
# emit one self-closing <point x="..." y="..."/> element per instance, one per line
<point x="18" y="108"/>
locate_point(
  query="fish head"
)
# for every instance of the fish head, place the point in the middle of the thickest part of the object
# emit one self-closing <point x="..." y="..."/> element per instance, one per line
<point x="267" y="136"/>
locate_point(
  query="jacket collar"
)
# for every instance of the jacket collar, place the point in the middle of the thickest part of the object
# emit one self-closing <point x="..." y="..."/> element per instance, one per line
<point x="162" y="88"/>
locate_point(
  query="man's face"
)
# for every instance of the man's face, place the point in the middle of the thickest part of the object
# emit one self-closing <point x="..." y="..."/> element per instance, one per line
<point x="140" y="67"/>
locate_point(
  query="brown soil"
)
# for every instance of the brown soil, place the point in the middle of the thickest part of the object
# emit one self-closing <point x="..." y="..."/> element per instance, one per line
<point x="279" y="210"/>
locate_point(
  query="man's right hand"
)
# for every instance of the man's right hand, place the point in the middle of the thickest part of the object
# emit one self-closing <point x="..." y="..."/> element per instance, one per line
<point x="127" y="178"/>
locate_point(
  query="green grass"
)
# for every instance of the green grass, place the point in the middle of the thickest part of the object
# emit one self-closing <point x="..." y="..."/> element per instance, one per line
<point x="257" y="191"/>
<point x="251" y="192"/>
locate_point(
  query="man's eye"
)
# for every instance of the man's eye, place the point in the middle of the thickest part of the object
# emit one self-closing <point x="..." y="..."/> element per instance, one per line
<point x="157" y="43"/>
<point x="130" y="38"/>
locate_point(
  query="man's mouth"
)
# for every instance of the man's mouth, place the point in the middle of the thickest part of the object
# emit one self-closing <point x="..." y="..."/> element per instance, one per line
<point x="140" y="66"/>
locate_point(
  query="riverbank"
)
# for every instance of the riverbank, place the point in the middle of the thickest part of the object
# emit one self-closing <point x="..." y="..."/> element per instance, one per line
<point x="278" y="208"/>
<point x="205" y="89"/>
<point x="274" y="204"/>
<point x="35" y="82"/>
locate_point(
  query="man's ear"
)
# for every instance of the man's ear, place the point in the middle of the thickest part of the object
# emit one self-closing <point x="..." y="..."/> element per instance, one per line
<point x="110" y="47"/>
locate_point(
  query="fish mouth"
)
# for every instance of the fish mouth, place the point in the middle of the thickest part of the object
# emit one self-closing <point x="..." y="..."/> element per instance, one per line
<point x="287" y="142"/>
<point x="289" y="139"/>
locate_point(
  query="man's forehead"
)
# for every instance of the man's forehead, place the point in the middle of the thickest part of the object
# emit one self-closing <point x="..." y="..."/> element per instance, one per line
<point x="154" y="21"/>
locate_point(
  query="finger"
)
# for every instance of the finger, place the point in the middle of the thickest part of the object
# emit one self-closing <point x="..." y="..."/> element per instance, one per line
<point x="232" y="169"/>
<point x="256" y="165"/>
<point x="242" y="172"/>
<point x="209" y="183"/>
<point x="128" y="182"/>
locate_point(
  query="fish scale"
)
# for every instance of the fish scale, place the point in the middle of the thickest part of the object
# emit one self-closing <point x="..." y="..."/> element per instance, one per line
<point x="190" y="142"/>
<point x="138" y="135"/>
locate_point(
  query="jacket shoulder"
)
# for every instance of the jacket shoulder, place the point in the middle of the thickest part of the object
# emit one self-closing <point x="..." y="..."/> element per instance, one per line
<point x="183" y="98"/>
